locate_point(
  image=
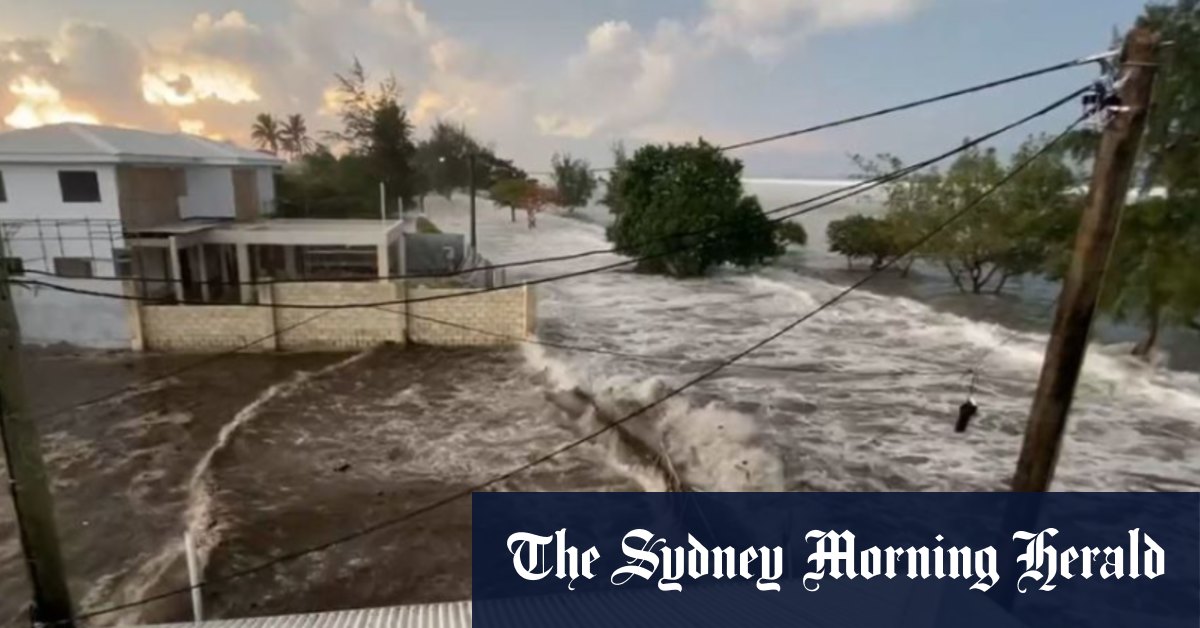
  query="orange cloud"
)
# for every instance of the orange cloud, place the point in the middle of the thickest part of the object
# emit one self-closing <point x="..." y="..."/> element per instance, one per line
<point x="183" y="85"/>
<point x="40" y="103"/>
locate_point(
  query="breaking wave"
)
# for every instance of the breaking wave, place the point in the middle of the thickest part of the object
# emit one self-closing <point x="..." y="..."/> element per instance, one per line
<point x="871" y="394"/>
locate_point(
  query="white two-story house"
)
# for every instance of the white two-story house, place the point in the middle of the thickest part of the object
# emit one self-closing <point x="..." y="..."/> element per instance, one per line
<point x="81" y="205"/>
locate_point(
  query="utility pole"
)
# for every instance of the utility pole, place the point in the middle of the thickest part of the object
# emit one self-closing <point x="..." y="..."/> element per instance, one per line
<point x="1085" y="278"/>
<point x="471" y="185"/>
<point x="27" y="479"/>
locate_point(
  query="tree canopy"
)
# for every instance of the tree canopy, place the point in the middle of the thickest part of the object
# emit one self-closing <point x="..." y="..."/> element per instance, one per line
<point x="685" y="210"/>
<point x="574" y="181"/>
<point x="616" y="178"/>
<point x="377" y="145"/>
<point x="265" y="133"/>
<point x="860" y="237"/>
<point x="1008" y="234"/>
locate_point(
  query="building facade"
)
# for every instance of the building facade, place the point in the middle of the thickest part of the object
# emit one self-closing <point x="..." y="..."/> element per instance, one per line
<point x="181" y="228"/>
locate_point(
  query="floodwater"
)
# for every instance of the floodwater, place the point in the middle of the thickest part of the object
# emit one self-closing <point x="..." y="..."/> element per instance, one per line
<point x="881" y="373"/>
<point x="262" y="455"/>
<point x="259" y="456"/>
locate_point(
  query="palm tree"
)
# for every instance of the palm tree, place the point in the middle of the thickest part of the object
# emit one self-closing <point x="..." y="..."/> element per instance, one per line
<point x="294" y="136"/>
<point x="265" y="132"/>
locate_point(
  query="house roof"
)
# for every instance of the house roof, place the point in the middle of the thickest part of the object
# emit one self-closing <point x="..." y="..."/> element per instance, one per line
<point x="85" y="143"/>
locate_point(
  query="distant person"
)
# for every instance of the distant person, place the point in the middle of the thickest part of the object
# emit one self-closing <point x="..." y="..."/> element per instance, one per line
<point x="532" y="214"/>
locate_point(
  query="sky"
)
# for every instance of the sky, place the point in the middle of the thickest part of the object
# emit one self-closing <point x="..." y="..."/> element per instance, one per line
<point x="536" y="77"/>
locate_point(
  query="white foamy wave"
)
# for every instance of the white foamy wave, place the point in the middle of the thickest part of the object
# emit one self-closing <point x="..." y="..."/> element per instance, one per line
<point x="720" y="450"/>
<point x="871" y="401"/>
<point x="198" y="519"/>
<point x="709" y="448"/>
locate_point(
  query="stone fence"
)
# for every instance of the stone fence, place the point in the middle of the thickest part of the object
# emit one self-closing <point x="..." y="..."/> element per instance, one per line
<point x="459" y="317"/>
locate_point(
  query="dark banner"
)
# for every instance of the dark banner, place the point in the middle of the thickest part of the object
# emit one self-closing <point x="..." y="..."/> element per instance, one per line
<point x="899" y="560"/>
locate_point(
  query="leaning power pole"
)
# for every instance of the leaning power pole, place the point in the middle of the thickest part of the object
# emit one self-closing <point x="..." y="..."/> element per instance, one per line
<point x="1125" y="122"/>
<point x="27" y="479"/>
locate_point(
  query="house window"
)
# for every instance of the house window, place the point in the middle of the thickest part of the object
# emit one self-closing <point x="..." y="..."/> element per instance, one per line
<point x="3" y="192"/>
<point x="79" y="186"/>
<point x="16" y="266"/>
<point x="78" y="267"/>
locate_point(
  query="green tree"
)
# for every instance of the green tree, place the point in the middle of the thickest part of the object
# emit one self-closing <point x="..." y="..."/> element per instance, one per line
<point x="322" y="185"/>
<point x="910" y="203"/>
<point x="511" y="193"/>
<point x="860" y="237"/>
<point x="1154" y="277"/>
<point x="1037" y="208"/>
<point x="266" y="133"/>
<point x="612" y="187"/>
<point x="445" y="158"/>
<point x="376" y="127"/>
<point x="684" y="208"/>
<point x="445" y="161"/>
<point x="1172" y="142"/>
<point x="293" y="136"/>
<point x="573" y="180"/>
<point x="791" y="233"/>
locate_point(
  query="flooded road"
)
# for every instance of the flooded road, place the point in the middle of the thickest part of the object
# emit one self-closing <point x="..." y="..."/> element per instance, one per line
<point x="262" y="455"/>
<point x="871" y="387"/>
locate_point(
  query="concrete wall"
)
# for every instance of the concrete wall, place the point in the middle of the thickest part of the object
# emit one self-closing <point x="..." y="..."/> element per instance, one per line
<point x="209" y="193"/>
<point x="50" y="317"/>
<point x="326" y="330"/>
<point x="504" y="315"/>
<point x="172" y="328"/>
<point x="502" y="318"/>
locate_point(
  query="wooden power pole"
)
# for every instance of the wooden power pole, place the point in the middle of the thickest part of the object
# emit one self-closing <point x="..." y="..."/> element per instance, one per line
<point x="27" y="479"/>
<point x="1093" y="247"/>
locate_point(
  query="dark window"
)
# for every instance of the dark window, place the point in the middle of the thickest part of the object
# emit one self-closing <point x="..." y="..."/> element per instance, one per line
<point x="3" y="192"/>
<point x="16" y="266"/>
<point x="80" y="267"/>
<point x="79" y="186"/>
<point x="123" y="262"/>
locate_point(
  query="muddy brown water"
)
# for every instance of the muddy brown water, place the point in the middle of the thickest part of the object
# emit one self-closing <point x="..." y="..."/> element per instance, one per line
<point x="324" y="445"/>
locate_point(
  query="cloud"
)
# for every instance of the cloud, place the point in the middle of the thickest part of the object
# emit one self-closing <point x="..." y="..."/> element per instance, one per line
<point x="85" y="73"/>
<point x="766" y="28"/>
<point x="624" y="80"/>
<point x="621" y="78"/>
<point x="213" y="71"/>
<point x="40" y="103"/>
<point x="180" y="86"/>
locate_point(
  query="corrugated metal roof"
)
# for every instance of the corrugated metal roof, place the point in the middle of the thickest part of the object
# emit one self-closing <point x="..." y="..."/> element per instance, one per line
<point x="86" y="143"/>
<point x="447" y="615"/>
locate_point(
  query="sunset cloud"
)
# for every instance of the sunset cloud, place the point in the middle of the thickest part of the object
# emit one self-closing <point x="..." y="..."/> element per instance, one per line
<point x="179" y="86"/>
<point x="41" y="103"/>
<point x="210" y="73"/>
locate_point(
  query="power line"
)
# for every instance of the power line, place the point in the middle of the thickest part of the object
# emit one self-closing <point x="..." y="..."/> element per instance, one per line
<point x="827" y="199"/>
<point x="827" y="125"/>
<point x="176" y="371"/>
<point x="641" y="357"/>
<point x="723" y="364"/>
<point x="833" y="124"/>
<point x="908" y="105"/>
<point x="923" y="101"/>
